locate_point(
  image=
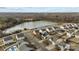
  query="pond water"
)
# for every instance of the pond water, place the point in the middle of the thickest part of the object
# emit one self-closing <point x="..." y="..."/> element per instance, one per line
<point x="28" y="25"/>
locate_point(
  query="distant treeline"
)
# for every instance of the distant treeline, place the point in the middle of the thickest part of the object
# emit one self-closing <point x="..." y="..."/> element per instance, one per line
<point x="68" y="19"/>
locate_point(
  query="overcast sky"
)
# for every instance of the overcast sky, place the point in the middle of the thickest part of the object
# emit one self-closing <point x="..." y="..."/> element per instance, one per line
<point x="39" y="9"/>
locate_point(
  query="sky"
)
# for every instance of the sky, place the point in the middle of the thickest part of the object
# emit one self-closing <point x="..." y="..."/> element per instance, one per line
<point x="39" y="9"/>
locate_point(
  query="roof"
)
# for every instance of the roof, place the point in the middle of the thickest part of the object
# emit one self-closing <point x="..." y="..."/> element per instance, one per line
<point x="20" y="35"/>
<point x="8" y="38"/>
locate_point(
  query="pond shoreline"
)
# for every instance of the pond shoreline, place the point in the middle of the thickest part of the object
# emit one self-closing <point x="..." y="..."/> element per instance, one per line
<point x="28" y="25"/>
<point x="5" y="27"/>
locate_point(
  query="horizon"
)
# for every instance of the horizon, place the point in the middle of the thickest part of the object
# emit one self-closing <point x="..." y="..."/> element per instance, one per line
<point x="39" y="9"/>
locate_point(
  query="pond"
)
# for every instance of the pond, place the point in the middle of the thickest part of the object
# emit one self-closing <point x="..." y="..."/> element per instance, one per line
<point x="28" y="25"/>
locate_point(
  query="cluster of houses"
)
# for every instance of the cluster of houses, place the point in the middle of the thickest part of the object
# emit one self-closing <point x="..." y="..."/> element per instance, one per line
<point x="58" y="37"/>
<point x="63" y="37"/>
<point x="13" y="39"/>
